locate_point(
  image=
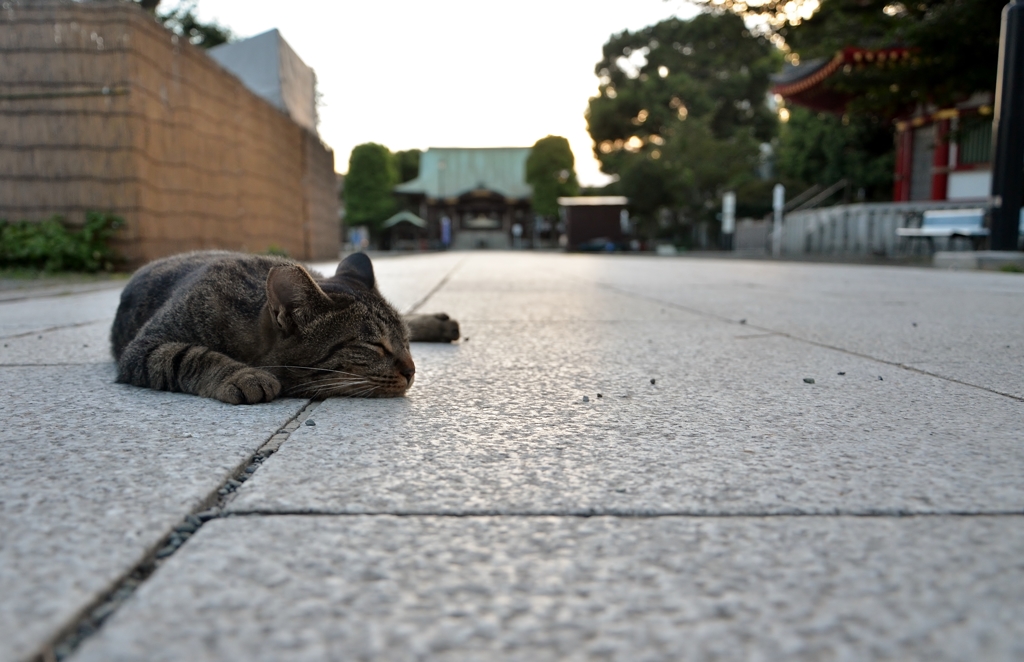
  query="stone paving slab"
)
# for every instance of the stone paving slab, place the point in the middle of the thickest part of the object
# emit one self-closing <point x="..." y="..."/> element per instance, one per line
<point x="545" y="588"/>
<point x="498" y="425"/>
<point x="583" y="304"/>
<point x="85" y="343"/>
<point x="29" y="315"/>
<point x="963" y="325"/>
<point x="14" y="289"/>
<point x="94" y="474"/>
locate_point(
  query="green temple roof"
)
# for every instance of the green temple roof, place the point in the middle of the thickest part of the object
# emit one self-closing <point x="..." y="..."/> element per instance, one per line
<point x="448" y="172"/>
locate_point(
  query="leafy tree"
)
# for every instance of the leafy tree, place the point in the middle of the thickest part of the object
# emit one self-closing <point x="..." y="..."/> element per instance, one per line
<point x="680" y="114"/>
<point x="182" y="21"/>
<point x="820" y="148"/>
<point x="648" y="184"/>
<point x="954" y="45"/>
<point x="372" y="175"/>
<point x="550" y="170"/>
<point x="954" y="49"/>
<point x="655" y="78"/>
<point x="699" y="179"/>
<point x="408" y="164"/>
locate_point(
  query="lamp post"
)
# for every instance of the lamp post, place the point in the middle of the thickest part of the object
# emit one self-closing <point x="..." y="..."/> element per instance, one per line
<point x="1008" y="133"/>
<point x="728" y="219"/>
<point x="778" y="202"/>
<point x="442" y="205"/>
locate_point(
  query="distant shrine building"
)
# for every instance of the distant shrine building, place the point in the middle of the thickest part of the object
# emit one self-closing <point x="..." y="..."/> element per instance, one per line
<point x="472" y="197"/>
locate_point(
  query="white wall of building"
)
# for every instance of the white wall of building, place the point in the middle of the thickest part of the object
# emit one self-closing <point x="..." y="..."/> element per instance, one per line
<point x="969" y="184"/>
<point x="269" y="67"/>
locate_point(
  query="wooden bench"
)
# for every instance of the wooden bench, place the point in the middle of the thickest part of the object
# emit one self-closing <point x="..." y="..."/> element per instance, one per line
<point x="950" y="224"/>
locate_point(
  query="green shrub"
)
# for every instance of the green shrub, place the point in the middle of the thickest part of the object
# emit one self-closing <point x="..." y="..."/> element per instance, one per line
<point x="49" y="245"/>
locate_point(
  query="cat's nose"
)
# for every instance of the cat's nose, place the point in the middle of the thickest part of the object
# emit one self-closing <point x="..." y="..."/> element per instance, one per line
<point x="407" y="369"/>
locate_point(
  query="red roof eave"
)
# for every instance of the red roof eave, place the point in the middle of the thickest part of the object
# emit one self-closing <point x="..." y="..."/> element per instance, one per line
<point x="850" y="55"/>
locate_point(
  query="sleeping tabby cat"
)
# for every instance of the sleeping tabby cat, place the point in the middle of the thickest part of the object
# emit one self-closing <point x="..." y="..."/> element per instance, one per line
<point x="247" y="328"/>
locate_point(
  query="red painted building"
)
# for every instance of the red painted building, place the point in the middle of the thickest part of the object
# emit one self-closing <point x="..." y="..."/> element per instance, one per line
<point x="945" y="154"/>
<point x="941" y="154"/>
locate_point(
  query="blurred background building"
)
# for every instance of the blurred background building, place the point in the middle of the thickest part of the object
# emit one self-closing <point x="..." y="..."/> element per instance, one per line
<point x="481" y="194"/>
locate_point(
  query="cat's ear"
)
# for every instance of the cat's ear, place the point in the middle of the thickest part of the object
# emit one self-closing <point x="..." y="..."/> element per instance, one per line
<point x="358" y="267"/>
<point x="292" y="296"/>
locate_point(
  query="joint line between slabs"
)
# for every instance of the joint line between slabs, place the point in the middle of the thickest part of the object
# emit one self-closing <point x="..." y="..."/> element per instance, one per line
<point x="58" y="291"/>
<point x="54" y="328"/>
<point x="50" y="365"/>
<point x="850" y="352"/>
<point x="434" y="290"/>
<point x="92" y="618"/>
<point x="867" y="514"/>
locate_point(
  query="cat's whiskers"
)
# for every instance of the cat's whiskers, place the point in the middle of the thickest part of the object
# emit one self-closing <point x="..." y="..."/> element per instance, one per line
<point x="363" y="392"/>
<point x="354" y="390"/>
<point x="341" y="384"/>
<point x="320" y="387"/>
<point x="337" y="380"/>
<point x="302" y="367"/>
<point x="333" y="383"/>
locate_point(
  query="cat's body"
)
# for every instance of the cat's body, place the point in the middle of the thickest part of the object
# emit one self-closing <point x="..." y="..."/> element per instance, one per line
<point x="247" y="328"/>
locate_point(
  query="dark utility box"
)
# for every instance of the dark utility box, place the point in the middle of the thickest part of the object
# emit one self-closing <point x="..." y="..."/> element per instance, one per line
<point x="599" y="223"/>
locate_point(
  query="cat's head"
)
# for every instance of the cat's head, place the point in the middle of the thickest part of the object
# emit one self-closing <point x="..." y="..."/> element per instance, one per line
<point x="335" y="336"/>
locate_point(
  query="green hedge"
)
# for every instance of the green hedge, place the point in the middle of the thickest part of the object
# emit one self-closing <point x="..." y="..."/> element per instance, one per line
<point x="49" y="245"/>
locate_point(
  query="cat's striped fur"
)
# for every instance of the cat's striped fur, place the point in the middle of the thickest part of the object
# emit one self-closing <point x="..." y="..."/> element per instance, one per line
<point x="248" y="328"/>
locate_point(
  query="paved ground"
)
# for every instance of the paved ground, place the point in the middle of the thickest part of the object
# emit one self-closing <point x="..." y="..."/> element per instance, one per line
<point x="623" y="460"/>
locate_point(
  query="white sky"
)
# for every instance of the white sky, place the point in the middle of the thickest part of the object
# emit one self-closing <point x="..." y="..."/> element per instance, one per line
<point x="449" y="73"/>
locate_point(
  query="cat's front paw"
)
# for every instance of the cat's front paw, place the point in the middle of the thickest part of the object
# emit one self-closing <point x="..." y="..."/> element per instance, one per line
<point x="248" y="386"/>
<point x="446" y="329"/>
<point x="437" y="327"/>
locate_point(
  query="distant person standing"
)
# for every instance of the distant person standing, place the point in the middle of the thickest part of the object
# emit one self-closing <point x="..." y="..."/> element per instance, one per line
<point x="517" y="235"/>
<point x="446" y="232"/>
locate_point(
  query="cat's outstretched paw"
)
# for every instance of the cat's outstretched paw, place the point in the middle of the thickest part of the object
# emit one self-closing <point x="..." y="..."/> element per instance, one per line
<point x="437" y="327"/>
<point x="248" y="386"/>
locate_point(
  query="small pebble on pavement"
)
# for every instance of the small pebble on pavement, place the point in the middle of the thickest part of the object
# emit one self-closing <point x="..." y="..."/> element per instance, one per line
<point x="586" y="398"/>
<point x="652" y="380"/>
<point x="809" y="380"/>
<point x="310" y="422"/>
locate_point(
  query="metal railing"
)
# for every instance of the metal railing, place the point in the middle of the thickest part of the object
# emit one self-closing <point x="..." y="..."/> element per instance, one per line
<point x="857" y="229"/>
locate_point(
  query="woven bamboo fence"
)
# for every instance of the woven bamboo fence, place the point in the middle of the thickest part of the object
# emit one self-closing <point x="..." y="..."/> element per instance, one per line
<point x="103" y="109"/>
